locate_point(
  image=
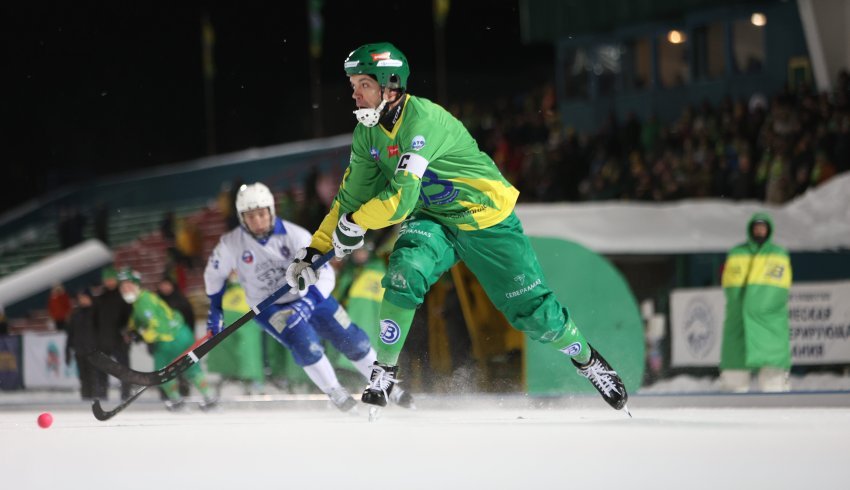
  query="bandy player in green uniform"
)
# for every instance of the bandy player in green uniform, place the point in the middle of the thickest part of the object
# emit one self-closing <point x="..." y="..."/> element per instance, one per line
<point x="167" y="334"/>
<point x="414" y="163"/>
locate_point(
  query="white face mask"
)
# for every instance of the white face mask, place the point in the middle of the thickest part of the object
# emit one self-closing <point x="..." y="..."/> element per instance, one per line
<point x="130" y="297"/>
<point x="370" y="117"/>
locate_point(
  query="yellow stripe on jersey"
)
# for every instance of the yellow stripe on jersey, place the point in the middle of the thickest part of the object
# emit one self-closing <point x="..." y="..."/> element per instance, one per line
<point x="503" y="199"/>
<point x="378" y="213"/>
<point x="322" y="238"/>
<point x="759" y="270"/>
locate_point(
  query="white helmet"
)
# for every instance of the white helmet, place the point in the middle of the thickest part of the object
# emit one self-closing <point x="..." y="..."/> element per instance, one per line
<point x="255" y="196"/>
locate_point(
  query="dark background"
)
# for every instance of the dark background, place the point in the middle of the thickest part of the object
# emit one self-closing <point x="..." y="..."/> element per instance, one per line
<point x="99" y="88"/>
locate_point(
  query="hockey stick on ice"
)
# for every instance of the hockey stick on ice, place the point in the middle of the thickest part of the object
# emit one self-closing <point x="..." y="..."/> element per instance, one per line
<point x="102" y="415"/>
<point x="185" y="361"/>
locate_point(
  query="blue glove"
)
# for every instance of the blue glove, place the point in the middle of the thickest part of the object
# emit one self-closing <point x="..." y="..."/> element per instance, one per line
<point x="215" y="321"/>
<point x="215" y="317"/>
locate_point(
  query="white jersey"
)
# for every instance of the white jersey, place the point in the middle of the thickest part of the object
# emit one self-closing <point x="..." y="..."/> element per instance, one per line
<point x="261" y="265"/>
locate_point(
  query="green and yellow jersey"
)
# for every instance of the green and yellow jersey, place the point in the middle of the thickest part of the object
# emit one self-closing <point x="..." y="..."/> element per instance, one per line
<point x="154" y="320"/>
<point x="428" y="164"/>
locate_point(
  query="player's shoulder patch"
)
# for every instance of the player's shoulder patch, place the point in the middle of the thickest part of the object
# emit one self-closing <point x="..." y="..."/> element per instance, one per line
<point x="417" y="143"/>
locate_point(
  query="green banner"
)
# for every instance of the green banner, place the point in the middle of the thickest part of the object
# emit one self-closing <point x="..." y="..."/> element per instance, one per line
<point x="604" y="309"/>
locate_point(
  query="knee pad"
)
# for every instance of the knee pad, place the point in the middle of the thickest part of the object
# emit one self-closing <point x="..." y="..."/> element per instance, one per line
<point x="332" y="323"/>
<point x="406" y="281"/>
<point x="301" y="340"/>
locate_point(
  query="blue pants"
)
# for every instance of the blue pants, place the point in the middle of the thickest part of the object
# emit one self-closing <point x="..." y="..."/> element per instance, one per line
<point x="329" y="321"/>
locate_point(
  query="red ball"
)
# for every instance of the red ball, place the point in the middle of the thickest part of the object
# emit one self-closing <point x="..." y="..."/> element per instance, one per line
<point x="45" y="420"/>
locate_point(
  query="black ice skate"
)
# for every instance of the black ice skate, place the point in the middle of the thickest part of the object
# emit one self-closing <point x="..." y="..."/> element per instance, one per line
<point x="342" y="399"/>
<point x="381" y="385"/>
<point x="380" y="388"/>
<point x="606" y="381"/>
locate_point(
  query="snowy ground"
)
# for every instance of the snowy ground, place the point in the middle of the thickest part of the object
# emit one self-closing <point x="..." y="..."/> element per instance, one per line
<point x="511" y="442"/>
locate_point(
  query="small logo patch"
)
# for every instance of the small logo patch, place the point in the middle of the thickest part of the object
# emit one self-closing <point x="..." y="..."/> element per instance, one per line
<point x="285" y="252"/>
<point x="375" y="153"/>
<point x="381" y="56"/>
<point x="572" y="349"/>
<point x="392" y="150"/>
<point x="418" y="142"/>
<point x="390" y="332"/>
<point x="247" y="257"/>
<point x="520" y="279"/>
<point x="390" y="63"/>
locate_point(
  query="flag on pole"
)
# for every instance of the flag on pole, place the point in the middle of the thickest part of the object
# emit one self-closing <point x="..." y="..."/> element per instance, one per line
<point x="317" y="23"/>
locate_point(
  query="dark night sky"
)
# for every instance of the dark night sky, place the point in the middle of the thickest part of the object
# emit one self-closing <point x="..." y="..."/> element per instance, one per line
<point x="98" y="88"/>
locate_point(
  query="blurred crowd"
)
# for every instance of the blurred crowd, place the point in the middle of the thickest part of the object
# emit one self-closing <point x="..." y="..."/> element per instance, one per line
<point x="769" y="149"/>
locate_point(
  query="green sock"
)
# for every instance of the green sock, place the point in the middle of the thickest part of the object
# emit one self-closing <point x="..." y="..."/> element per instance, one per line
<point x="395" y="324"/>
<point x="572" y="342"/>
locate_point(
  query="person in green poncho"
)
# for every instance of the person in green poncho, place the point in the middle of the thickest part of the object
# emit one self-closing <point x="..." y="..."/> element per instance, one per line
<point x="154" y="322"/>
<point x="756" y="279"/>
<point x="414" y="163"/>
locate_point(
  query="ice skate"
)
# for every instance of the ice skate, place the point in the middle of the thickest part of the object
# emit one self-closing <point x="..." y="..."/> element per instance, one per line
<point x="210" y="405"/>
<point x="341" y="399"/>
<point x="402" y="398"/>
<point x="606" y="381"/>
<point x="177" y="406"/>
<point x="380" y="388"/>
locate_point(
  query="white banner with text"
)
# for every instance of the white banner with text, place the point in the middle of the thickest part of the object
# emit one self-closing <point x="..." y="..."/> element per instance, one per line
<point x="819" y="315"/>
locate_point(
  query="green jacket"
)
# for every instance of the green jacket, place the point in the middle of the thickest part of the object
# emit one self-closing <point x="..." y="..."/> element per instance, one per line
<point x="756" y="279"/>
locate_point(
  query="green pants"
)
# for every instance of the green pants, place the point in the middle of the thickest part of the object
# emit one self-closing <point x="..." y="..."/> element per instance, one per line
<point x="165" y="352"/>
<point x="502" y="259"/>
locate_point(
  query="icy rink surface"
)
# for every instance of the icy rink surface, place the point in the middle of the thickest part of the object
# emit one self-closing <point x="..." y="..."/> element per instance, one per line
<point x="480" y="447"/>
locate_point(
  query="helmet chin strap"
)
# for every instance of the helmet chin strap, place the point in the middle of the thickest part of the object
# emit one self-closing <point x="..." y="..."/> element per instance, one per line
<point x="370" y="117"/>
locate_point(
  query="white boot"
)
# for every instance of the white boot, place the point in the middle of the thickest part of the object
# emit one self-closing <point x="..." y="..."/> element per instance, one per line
<point x="773" y="380"/>
<point x="735" y="380"/>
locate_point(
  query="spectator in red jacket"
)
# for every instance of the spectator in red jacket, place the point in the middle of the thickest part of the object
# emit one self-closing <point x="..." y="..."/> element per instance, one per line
<point x="59" y="306"/>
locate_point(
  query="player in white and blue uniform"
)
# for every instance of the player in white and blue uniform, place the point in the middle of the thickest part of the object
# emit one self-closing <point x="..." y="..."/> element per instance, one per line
<point x="260" y="250"/>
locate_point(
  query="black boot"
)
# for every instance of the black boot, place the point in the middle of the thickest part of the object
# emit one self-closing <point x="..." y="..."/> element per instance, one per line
<point x="606" y="381"/>
<point x="380" y="384"/>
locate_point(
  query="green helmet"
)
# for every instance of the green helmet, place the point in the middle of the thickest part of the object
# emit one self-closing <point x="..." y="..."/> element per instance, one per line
<point x="128" y="274"/>
<point x="383" y="61"/>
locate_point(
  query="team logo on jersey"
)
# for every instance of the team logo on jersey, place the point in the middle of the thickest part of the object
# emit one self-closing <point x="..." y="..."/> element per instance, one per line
<point x="285" y="252"/>
<point x="572" y="349"/>
<point x="392" y="150"/>
<point x="435" y="191"/>
<point x="520" y="279"/>
<point x="247" y="257"/>
<point x="375" y="153"/>
<point x="418" y="142"/>
<point x="381" y="56"/>
<point x="390" y="332"/>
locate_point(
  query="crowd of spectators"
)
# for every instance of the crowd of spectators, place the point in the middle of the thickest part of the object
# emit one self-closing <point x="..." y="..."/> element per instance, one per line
<point x="766" y="149"/>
